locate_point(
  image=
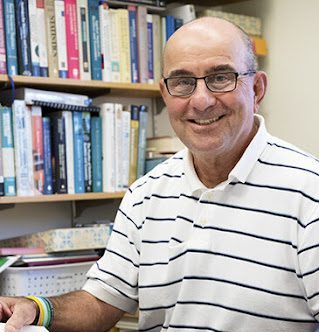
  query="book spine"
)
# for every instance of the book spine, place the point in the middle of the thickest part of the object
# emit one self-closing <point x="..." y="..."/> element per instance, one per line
<point x="59" y="8"/>
<point x="11" y="37"/>
<point x="133" y="44"/>
<point x="96" y="138"/>
<point x="43" y="47"/>
<point x="95" y="41"/>
<point x="126" y="124"/>
<point x="87" y="151"/>
<point x="59" y="153"/>
<point x="51" y="38"/>
<point x="133" y="143"/>
<point x="150" y="60"/>
<point x="8" y="152"/>
<point x="115" y="55"/>
<point x="23" y="38"/>
<point x="84" y="42"/>
<point x="23" y="148"/>
<point x="1" y="160"/>
<point x="72" y="39"/>
<point x="108" y="146"/>
<point x="37" y="149"/>
<point x="106" y="37"/>
<point x="170" y="26"/>
<point x="69" y="149"/>
<point x="124" y="40"/>
<point x="163" y="26"/>
<point x="47" y="156"/>
<point x="157" y="48"/>
<point x="78" y="140"/>
<point x="142" y="130"/>
<point x="34" y="37"/>
<point x="118" y="147"/>
<point x="3" y="57"/>
<point x="142" y="43"/>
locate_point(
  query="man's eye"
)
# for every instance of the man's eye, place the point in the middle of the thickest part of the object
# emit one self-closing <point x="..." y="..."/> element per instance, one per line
<point x="185" y="82"/>
<point x="220" y="78"/>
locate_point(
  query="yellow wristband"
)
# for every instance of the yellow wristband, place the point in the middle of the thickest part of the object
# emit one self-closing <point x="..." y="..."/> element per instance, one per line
<point x="40" y="306"/>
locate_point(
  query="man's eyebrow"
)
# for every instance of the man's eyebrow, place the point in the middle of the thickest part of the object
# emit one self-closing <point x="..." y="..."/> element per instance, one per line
<point x="220" y="68"/>
<point x="180" y="72"/>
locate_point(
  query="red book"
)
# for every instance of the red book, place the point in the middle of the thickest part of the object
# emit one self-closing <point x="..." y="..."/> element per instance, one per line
<point x="3" y="62"/>
<point x="7" y="251"/>
<point x="72" y="39"/>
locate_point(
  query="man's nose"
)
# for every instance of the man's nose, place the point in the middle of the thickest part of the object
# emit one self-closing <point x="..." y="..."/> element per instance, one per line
<point x="202" y="97"/>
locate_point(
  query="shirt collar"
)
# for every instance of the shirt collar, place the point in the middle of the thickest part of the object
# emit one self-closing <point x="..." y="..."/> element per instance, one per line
<point x="241" y="170"/>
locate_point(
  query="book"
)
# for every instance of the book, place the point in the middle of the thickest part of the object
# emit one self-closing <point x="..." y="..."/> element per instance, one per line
<point x="157" y="48"/>
<point x="150" y="49"/>
<point x="95" y="40"/>
<point x="11" y="37"/>
<point x="124" y="45"/>
<point x="72" y="39"/>
<point x="115" y="42"/>
<point x="108" y="146"/>
<point x="69" y="149"/>
<point x="133" y="43"/>
<point x="86" y="116"/>
<point x="8" y="151"/>
<point x="118" y="145"/>
<point x="96" y="141"/>
<point x="134" y="124"/>
<point x="9" y="251"/>
<point x="5" y="262"/>
<point x="37" y="149"/>
<point x="47" y="156"/>
<point x="142" y="43"/>
<point x="3" y="56"/>
<point x="43" y="47"/>
<point x="23" y="38"/>
<point x="23" y="148"/>
<point x="1" y="164"/>
<point x="51" y="37"/>
<point x="78" y="140"/>
<point x="50" y="98"/>
<point x="106" y="37"/>
<point x="170" y="26"/>
<point x="186" y="12"/>
<point x="141" y="148"/>
<point x="34" y="37"/>
<point x="59" y="11"/>
<point x="60" y="180"/>
<point x="126" y="124"/>
<point x="84" y="40"/>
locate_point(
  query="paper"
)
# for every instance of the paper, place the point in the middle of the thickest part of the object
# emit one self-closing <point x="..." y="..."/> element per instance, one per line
<point x="27" y="328"/>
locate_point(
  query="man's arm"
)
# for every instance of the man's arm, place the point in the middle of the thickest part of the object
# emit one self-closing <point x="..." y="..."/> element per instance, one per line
<point x="76" y="311"/>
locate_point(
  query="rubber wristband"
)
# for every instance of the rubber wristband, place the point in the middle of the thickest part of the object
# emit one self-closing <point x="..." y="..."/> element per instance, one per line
<point x="40" y="306"/>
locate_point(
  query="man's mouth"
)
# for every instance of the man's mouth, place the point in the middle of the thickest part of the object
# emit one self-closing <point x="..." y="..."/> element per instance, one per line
<point x="206" y="122"/>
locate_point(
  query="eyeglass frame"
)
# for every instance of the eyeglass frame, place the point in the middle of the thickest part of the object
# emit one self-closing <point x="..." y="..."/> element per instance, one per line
<point x="249" y="72"/>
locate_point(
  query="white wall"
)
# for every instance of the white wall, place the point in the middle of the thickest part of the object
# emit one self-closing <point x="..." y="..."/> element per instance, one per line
<point x="291" y="28"/>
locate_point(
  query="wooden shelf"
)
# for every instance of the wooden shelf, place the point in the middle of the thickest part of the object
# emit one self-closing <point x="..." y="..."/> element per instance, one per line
<point x="91" y="88"/>
<point x="60" y="198"/>
<point x="209" y="2"/>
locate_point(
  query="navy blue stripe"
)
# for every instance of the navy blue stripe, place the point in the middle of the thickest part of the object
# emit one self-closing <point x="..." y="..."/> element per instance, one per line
<point x="129" y="241"/>
<point x="288" y="166"/>
<point x="245" y="312"/>
<point x="157" y="196"/>
<point x="293" y="150"/>
<point x="182" y="327"/>
<point x="313" y="295"/>
<point x="276" y="188"/>
<point x="128" y="218"/>
<point x="155" y="242"/>
<point x="312" y="222"/>
<point x="123" y="257"/>
<point x="151" y="328"/>
<point x="310" y="272"/>
<point x="235" y="283"/>
<point x="255" y="236"/>
<point x="115" y="276"/>
<point x="101" y="280"/>
<point x="277" y="214"/>
<point x="160" y="219"/>
<point x="308" y="248"/>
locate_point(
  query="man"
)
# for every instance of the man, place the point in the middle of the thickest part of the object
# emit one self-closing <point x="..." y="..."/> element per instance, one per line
<point x="222" y="236"/>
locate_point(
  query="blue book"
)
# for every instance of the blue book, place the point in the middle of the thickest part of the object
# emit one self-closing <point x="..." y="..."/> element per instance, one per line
<point x="150" y="62"/>
<point x="11" y="37"/>
<point x="47" y="156"/>
<point x="141" y="148"/>
<point x="95" y="40"/>
<point x="170" y="26"/>
<point x="86" y="116"/>
<point x="8" y="152"/>
<point x="133" y="43"/>
<point x="23" y="38"/>
<point x="78" y="140"/>
<point x="178" y="23"/>
<point x="96" y="140"/>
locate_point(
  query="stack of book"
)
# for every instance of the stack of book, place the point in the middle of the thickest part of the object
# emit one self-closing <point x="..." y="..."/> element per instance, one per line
<point x="84" y="39"/>
<point x="54" y="142"/>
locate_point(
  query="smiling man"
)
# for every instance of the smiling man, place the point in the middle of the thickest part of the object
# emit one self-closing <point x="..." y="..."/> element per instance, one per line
<point x="221" y="237"/>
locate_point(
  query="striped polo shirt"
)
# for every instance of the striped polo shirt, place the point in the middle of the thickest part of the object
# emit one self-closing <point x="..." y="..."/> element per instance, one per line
<point x="241" y="257"/>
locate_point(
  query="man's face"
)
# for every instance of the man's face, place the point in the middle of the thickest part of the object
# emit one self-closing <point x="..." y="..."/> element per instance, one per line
<point x="206" y="122"/>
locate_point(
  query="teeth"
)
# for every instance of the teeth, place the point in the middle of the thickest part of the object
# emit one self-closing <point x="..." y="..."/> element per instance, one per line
<point x="206" y="122"/>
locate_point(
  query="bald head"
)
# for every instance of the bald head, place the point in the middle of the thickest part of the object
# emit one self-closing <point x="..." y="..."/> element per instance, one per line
<point x="210" y="31"/>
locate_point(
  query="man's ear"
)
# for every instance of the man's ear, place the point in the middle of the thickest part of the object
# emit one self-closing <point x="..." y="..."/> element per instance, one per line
<point x="260" y="86"/>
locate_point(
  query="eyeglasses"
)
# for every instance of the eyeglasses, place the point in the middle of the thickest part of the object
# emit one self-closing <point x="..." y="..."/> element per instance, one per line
<point x="182" y="86"/>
